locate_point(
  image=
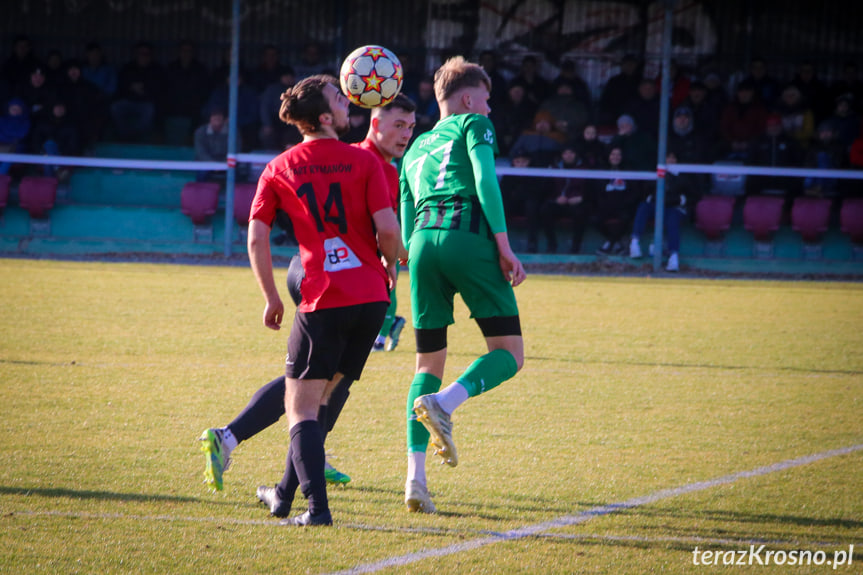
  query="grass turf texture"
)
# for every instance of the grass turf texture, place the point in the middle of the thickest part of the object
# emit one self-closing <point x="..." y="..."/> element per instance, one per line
<point x="109" y="372"/>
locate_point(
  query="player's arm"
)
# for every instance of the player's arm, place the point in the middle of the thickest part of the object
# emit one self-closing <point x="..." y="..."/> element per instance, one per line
<point x="491" y="201"/>
<point x="262" y="266"/>
<point x="389" y="240"/>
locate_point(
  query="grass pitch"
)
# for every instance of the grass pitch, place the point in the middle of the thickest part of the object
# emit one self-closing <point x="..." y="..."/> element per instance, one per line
<point x="109" y="372"/>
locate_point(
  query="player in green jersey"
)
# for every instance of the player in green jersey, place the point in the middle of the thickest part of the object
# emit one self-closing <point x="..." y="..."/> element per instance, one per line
<point x="454" y="229"/>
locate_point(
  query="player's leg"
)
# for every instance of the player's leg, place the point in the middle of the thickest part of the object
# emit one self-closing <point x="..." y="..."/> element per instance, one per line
<point x="389" y="318"/>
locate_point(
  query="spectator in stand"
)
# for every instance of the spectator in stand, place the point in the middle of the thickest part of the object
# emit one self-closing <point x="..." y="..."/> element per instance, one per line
<point x="644" y="109"/>
<point x="513" y="117"/>
<point x="275" y="134"/>
<point x="619" y="91"/>
<point x="614" y="199"/>
<point x="637" y="147"/>
<point x="55" y="135"/>
<point x="742" y="123"/>
<point x="580" y="90"/>
<point x="37" y="93"/>
<point x="680" y="84"/>
<point x="411" y="74"/>
<point x="766" y="88"/>
<point x="211" y="143"/>
<point x="570" y="114"/>
<point x="688" y="147"/>
<point x="569" y="201"/>
<point x="20" y="63"/>
<point x="98" y="72"/>
<point x="269" y="70"/>
<point x="54" y="70"/>
<point x="715" y="91"/>
<point x="845" y="121"/>
<point x="14" y="130"/>
<point x="825" y="153"/>
<point x="488" y="59"/>
<point x="855" y="156"/>
<point x="186" y="81"/>
<point x="248" y="108"/>
<point x="358" y="124"/>
<point x="705" y="115"/>
<point x="524" y="195"/>
<point x="138" y="99"/>
<point x="542" y="143"/>
<point x="798" y="121"/>
<point x="85" y="104"/>
<point x="776" y="150"/>
<point x="814" y="92"/>
<point x="849" y="85"/>
<point x="674" y="209"/>
<point x="536" y="87"/>
<point x="427" y="112"/>
<point x="311" y="61"/>
<point x="590" y="150"/>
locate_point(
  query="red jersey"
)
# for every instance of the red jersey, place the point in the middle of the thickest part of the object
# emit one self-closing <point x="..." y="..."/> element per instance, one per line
<point x="390" y="171"/>
<point x="330" y="190"/>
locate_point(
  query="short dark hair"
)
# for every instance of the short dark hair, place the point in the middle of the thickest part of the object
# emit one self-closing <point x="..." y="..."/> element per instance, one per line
<point x="304" y="102"/>
<point x="402" y="102"/>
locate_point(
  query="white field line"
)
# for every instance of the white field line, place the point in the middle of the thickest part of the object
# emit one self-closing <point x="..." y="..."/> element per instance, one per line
<point x="540" y="528"/>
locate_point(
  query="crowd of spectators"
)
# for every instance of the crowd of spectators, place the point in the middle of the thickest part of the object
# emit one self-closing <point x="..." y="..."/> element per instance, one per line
<point x="57" y="105"/>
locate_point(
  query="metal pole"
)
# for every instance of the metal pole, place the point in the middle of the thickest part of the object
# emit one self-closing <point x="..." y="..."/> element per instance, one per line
<point x="664" y="102"/>
<point x="232" y="129"/>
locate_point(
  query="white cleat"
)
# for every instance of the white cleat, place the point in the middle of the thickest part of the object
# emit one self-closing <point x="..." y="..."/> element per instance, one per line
<point x="417" y="498"/>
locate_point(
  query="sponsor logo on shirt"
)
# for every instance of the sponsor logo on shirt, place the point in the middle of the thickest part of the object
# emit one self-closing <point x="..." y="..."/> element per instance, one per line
<point x="339" y="256"/>
<point x="489" y="136"/>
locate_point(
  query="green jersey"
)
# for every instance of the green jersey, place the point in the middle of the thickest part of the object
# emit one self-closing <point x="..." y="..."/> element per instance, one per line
<point x="439" y="179"/>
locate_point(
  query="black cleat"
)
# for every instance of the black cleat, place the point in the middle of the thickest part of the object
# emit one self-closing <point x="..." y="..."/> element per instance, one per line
<point x="270" y="497"/>
<point x="309" y="520"/>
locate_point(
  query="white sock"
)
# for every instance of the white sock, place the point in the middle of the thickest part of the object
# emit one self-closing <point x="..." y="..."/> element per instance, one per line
<point x="381" y="339"/>
<point x="229" y="441"/>
<point x="417" y="466"/>
<point x="452" y="396"/>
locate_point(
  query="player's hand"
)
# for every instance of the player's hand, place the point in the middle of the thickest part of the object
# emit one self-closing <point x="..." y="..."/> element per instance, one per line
<point x="273" y="314"/>
<point x="512" y="268"/>
<point x="392" y="273"/>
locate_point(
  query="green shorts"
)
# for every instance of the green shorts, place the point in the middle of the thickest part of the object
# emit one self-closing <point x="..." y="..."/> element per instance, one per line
<point x="445" y="262"/>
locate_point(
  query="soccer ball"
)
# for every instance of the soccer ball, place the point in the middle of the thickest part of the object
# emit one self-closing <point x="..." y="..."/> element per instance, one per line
<point x="371" y="76"/>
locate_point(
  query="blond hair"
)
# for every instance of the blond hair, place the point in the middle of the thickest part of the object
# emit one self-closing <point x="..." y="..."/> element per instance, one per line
<point x="457" y="74"/>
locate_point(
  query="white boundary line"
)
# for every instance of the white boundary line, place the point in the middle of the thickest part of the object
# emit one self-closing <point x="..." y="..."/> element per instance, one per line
<point x="539" y="528"/>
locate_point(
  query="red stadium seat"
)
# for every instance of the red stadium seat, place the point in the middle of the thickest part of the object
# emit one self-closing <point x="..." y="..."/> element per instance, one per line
<point x="762" y="215"/>
<point x="5" y="180"/>
<point x="37" y="195"/>
<point x="810" y="217"/>
<point x="199" y="201"/>
<point x="851" y="219"/>
<point x="243" y="196"/>
<point x="713" y="215"/>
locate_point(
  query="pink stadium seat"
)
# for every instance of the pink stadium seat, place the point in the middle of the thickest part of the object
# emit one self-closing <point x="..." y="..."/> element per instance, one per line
<point x="713" y="215"/>
<point x="761" y="216"/>
<point x="5" y="180"/>
<point x="243" y="196"/>
<point x="199" y="201"/>
<point x="37" y="195"/>
<point x="810" y="217"/>
<point x="851" y="219"/>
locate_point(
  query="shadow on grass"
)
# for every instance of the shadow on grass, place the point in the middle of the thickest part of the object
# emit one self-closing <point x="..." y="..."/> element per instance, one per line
<point x="57" y="492"/>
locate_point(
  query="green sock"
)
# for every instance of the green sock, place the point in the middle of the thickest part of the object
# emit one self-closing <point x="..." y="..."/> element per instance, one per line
<point x="390" y="317"/>
<point x="488" y="372"/>
<point x="423" y="384"/>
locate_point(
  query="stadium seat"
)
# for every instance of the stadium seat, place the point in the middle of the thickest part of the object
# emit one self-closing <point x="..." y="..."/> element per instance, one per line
<point x="851" y="220"/>
<point x="713" y="215"/>
<point x="5" y="181"/>
<point x="243" y="195"/>
<point x="199" y="201"/>
<point x="810" y="217"/>
<point x="37" y="195"/>
<point x="761" y="216"/>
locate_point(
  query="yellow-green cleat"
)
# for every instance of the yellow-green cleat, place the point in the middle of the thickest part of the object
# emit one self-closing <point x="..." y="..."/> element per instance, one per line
<point x="218" y="458"/>
<point x="439" y="425"/>
<point x="334" y="476"/>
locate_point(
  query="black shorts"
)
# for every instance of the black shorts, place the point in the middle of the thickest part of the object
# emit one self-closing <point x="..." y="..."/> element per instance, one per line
<point x="332" y="340"/>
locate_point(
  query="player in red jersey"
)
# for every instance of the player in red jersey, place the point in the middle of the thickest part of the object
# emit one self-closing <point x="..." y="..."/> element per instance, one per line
<point x="389" y="133"/>
<point x="342" y="215"/>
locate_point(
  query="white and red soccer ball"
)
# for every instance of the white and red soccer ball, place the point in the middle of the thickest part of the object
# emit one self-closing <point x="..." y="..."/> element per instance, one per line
<point x="371" y="76"/>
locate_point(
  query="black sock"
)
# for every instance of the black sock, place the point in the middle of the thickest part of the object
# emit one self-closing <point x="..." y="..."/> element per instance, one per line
<point x="307" y="453"/>
<point x="337" y="401"/>
<point x="322" y="420"/>
<point x="287" y="487"/>
<point x="264" y="409"/>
